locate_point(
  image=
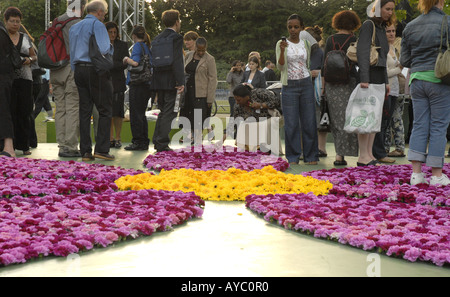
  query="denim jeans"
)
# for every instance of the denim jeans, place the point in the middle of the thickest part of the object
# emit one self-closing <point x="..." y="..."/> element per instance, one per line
<point x="431" y="107"/>
<point x="299" y="110"/>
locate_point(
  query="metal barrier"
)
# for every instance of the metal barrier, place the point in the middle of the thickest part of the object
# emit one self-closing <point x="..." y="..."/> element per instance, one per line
<point x="221" y="104"/>
<point x="222" y="93"/>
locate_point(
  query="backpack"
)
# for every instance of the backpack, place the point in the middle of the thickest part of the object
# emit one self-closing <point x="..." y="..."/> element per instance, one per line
<point x="337" y="66"/>
<point x="162" y="52"/>
<point x="52" y="52"/>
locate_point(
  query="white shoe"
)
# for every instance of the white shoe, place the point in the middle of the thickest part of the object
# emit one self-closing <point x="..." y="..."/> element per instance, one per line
<point x="417" y="178"/>
<point x="443" y="180"/>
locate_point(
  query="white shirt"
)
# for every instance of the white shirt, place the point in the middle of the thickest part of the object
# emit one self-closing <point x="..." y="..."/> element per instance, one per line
<point x="297" y="56"/>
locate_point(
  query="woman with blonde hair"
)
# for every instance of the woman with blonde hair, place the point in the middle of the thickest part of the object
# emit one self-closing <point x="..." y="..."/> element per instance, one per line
<point x="431" y="105"/>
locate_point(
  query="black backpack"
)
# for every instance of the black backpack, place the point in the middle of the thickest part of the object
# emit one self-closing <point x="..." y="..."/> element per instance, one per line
<point x="162" y="52"/>
<point x="337" y="66"/>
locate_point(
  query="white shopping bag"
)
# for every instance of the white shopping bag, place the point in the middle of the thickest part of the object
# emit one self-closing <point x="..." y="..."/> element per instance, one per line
<point x="365" y="109"/>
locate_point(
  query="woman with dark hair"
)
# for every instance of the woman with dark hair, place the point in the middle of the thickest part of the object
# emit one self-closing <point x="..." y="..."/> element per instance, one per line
<point x="298" y="103"/>
<point x="201" y="84"/>
<point x="119" y="83"/>
<point x="22" y="89"/>
<point x="140" y="93"/>
<point x="256" y="104"/>
<point x="6" y="74"/>
<point x="254" y="76"/>
<point x="381" y="14"/>
<point x="431" y="98"/>
<point x="346" y="144"/>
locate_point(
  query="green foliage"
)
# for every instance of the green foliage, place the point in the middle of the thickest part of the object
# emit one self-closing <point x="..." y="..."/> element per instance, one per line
<point x="233" y="28"/>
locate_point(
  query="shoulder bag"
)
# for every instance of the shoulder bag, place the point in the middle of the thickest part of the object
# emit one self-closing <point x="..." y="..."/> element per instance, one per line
<point x="102" y="63"/>
<point x="352" y="50"/>
<point x="442" y="67"/>
<point x="141" y="73"/>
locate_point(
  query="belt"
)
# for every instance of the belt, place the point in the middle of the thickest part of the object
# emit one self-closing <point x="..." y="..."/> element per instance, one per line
<point x="84" y="64"/>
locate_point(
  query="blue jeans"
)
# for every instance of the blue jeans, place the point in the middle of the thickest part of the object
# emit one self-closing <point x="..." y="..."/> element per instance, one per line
<point x="431" y="108"/>
<point x="299" y="110"/>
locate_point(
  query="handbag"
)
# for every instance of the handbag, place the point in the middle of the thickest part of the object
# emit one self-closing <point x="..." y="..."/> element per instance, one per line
<point x="352" y="50"/>
<point x="275" y="113"/>
<point x="141" y="73"/>
<point x="365" y="109"/>
<point x="442" y="67"/>
<point x="102" y="63"/>
<point x="324" y="120"/>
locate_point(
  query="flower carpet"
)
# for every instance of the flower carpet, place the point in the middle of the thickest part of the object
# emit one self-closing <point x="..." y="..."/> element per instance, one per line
<point x="56" y="208"/>
<point x="210" y="157"/>
<point x="230" y="185"/>
<point x="373" y="208"/>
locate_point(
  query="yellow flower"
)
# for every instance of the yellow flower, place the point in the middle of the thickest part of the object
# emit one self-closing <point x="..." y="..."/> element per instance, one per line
<point x="230" y="185"/>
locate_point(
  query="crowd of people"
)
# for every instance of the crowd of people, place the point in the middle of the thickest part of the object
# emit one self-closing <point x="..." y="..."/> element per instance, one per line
<point x="81" y="90"/>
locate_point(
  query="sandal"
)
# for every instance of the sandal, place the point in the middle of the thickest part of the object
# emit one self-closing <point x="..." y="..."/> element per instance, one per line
<point x="340" y="162"/>
<point x="27" y="153"/>
<point x="118" y="144"/>
<point x="322" y="154"/>
<point x="6" y="154"/>
<point x="112" y="143"/>
<point x="396" y="153"/>
<point x="373" y="162"/>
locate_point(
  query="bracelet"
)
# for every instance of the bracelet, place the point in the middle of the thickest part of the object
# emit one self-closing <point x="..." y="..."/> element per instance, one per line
<point x="249" y="103"/>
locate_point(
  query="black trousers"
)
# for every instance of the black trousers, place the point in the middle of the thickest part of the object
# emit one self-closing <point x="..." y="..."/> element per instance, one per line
<point x="166" y="103"/>
<point x="6" y="122"/>
<point x="40" y="95"/>
<point x="139" y="96"/>
<point x="378" y="148"/>
<point x="94" y="89"/>
<point x="21" y="110"/>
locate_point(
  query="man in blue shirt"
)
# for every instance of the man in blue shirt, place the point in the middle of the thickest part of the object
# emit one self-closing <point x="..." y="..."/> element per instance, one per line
<point x="93" y="88"/>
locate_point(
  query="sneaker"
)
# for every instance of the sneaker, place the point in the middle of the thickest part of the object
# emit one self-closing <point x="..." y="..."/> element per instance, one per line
<point x="104" y="156"/>
<point x="136" y="147"/>
<point x="442" y="180"/>
<point x="67" y="154"/>
<point x="417" y="178"/>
